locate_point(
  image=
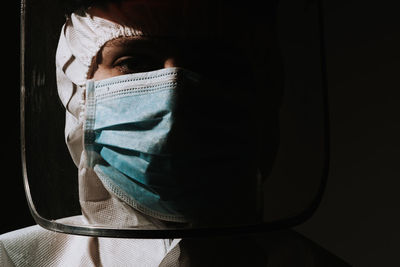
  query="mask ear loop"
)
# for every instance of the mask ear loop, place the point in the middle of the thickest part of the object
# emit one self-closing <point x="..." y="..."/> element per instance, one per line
<point x="82" y="105"/>
<point x="88" y="124"/>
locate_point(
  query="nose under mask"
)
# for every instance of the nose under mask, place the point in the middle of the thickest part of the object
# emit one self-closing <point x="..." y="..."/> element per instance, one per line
<point x="174" y="145"/>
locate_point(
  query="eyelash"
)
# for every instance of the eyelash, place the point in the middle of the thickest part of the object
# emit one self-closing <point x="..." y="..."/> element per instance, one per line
<point x="136" y="64"/>
<point x="125" y="65"/>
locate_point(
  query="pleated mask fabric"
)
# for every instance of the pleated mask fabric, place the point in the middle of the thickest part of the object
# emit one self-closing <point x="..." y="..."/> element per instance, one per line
<point x="153" y="145"/>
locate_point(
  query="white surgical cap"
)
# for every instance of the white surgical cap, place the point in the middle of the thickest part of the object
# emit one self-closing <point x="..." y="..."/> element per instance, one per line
<point x="82" y="36"/>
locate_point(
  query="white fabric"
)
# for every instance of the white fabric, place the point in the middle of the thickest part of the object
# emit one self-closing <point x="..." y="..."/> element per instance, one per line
<point x="80" y="40"/>
<point x="36" y="247"/>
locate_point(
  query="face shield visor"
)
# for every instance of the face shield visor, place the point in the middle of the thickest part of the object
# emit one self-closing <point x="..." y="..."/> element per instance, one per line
<point x="150" y="120"/>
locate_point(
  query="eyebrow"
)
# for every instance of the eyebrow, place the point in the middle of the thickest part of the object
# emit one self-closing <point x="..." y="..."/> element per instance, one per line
<point x="128" y="40"/>
<point x="120" y="42"/>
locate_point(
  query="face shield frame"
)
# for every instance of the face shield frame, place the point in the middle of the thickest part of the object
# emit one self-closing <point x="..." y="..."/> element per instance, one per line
<point x="278" y="224"/>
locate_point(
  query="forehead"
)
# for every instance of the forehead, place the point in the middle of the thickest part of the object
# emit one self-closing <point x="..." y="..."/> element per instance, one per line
<point x="140" y="44"/>
<point x="158" y="18"/>
<point x="128" y="41"/>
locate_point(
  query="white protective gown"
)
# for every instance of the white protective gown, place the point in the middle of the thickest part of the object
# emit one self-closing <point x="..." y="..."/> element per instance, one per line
<point x="36" y="247"/>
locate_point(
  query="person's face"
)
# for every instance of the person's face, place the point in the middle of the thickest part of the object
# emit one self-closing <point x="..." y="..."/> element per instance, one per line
<point x="162" y="48"/>
<point x="132" y="55"/>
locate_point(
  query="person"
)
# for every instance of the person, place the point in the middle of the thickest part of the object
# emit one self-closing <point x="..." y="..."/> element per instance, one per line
<point x="145" y="69"/>
<point x="157" y="70"/>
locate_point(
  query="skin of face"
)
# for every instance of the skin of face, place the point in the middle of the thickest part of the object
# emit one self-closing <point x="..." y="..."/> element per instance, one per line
<point x="131" y="55"/>
<point x="125" y="55"/>
<point x="177" y="34"/>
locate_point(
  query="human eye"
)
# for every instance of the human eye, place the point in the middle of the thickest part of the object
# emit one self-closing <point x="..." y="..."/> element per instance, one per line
<point x="136" y="63"/>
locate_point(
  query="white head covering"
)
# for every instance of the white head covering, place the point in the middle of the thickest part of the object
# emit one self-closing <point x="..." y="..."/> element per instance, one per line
<point x="81" y="38"/>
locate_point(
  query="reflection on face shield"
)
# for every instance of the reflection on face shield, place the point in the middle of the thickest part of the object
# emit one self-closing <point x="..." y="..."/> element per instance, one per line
<point x="188" y="155"/>
<point x="172" y="144"/>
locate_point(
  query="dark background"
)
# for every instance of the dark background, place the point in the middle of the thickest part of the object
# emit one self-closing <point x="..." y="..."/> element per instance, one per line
<point x="14" y="210"/>
<point x="359" y="216"/>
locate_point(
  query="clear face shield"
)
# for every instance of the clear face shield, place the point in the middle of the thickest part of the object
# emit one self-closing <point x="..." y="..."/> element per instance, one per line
<point x="154" y="120"/>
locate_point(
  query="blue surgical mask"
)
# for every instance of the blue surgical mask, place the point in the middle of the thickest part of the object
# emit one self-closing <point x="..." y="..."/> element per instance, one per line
<point x="170" y="145"/>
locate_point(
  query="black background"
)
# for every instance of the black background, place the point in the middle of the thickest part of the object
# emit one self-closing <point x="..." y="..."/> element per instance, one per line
<point x="15" y="212"/>
<point x="359" y="216"/>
